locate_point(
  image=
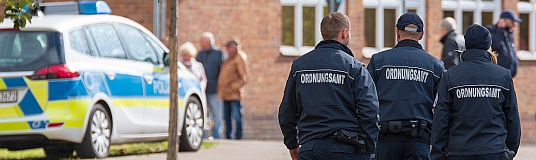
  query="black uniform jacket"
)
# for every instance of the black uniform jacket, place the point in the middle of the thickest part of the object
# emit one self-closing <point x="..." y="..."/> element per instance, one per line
<point x="503" y="44"/>
<point x="476" y="111"/>
<point x="406" y="78"/>
<point x="328" y="89"/>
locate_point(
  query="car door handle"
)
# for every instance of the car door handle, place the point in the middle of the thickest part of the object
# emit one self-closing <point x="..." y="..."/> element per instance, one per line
<point x="148" y="78"/>
<point x="111" y="75"/>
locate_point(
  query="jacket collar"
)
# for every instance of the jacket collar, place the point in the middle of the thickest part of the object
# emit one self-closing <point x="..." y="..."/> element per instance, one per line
<point x="410" y="43"/>
<point x="476" y="55"/>
<point x="335" y="45"/>
<point x="446" y="36"/>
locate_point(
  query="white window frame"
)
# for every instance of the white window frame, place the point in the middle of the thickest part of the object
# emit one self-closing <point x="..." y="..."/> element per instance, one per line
<point x="380" y="5"/>
<point x="476" y="6"/>
<point x="298" y="49"/>
<point x="530" y="8"/>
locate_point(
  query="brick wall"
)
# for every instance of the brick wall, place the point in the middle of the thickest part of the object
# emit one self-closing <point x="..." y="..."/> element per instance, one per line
<point x="432" y="29"/>
<point x="257" y="23"/>
<point x="356" y="12"/>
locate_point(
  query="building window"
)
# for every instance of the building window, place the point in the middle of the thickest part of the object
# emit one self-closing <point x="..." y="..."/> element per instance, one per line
<point x="288" y="25"/>
<point x="469" y="12"/>
<point x="389" y="18"/>
<point x="487" y="18"/>
<point x="467" y="20"/>
<point x="380" y="20"/>
<point x="300" y="20"/>
<point x="370" y="27"/>
<point x="527" y="28"/>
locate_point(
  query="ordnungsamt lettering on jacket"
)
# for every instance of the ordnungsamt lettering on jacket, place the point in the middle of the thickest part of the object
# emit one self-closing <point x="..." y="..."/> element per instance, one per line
<point x="406" y="74"/>
<point x="478" y="92"/>
<point x="322" y="78"/>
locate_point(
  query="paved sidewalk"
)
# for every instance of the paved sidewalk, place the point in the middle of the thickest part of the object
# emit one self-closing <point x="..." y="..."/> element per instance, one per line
<point x="265" y="150"/>
<point x="227" y="150"/>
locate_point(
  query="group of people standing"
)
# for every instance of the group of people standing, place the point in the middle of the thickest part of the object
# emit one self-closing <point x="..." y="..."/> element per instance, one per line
<point x="502" y="34"/>
<point x="222" y="76"/>
<point x="404" y="104"/>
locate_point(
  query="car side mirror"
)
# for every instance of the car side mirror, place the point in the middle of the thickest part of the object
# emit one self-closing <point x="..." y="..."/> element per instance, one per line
<point x="166" y="59"/>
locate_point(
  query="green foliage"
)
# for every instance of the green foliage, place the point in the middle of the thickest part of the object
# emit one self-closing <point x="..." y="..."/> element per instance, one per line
<point x="14" y="10"/>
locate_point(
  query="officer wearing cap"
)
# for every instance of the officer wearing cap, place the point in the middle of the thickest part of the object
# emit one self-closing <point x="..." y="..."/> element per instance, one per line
<point x="502" y="35"/>
<point x="406" y="79"/>
<point x="476" y="116"/>
<point x="330" y="106"/>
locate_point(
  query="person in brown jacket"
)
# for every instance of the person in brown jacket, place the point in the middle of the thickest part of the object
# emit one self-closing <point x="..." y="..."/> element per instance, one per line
<point x="232" y="78"/>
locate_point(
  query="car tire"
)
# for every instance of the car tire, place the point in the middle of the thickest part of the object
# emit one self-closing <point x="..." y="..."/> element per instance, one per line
<point x="97" y="139"/>
<point x="58" y="153"/>
<point x="193" y="125"/>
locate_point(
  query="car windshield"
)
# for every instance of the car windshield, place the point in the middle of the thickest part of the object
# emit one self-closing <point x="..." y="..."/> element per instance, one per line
<point x="29" y="50"/>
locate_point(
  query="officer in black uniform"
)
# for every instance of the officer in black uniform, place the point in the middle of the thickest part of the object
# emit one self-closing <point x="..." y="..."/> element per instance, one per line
<point x="476" y="115"/>
<point x="330" y="106"/>
<point x="406" y="79"/>
<point x="502" y="34"/>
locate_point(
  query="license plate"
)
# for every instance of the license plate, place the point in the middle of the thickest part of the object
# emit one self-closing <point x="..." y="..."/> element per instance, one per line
<point x="8" y="96"/>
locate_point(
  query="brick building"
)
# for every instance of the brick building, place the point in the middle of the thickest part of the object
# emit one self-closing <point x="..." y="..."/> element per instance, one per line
<point x="275" y="32"/>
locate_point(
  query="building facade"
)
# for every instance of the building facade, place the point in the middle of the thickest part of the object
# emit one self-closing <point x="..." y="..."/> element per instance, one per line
<point x="275" y="32"/>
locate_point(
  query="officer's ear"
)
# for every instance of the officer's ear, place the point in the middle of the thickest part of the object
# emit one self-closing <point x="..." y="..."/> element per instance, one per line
<point x="344" y="33"/>
<point x="397" y="34"/>
<point x="422" y="34"/>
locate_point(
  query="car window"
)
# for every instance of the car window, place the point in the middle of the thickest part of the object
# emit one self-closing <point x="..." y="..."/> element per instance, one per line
<point x="28" y="50"/>
<point x="78" y="41"/>
<point x="159" y="51"/>
<point x="106" y="41"/>
<point x="91" y="43"/>
<point x="137" y="46"/>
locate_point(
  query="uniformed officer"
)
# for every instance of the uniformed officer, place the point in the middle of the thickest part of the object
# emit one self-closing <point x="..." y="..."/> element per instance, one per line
<point x="330" y="106"/>
<point x="502" y="34"/>
<point x="406" y="79"/>
<point x="476" y="116"/>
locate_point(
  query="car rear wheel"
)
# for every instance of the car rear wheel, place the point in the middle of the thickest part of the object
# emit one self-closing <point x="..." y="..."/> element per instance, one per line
<point x="192" y="129"/>
<point x="58" y="152"/>
<point x="98" y="134"/>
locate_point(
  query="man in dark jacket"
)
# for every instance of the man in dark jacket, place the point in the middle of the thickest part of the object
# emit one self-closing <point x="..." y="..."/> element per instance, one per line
<point x="453" y="43"/>
<point x="329" y="97"/>
<point x="502" y="34"/>
<point x="476" y="116"/>
<point x="212" y="58"/>
<point x="406" y="78"/>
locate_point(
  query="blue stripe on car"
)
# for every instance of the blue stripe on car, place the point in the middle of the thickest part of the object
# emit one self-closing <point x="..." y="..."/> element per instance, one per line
<point x="63" y="89"/>
<point x="15" y="82"/>
<point x="29" y="105"/>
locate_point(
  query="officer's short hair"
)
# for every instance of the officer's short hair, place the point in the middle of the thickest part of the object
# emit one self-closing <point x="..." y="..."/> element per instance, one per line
<point x="410" y="34"/>
<point x="332" y="24"/>
<point x="449" y="24"/>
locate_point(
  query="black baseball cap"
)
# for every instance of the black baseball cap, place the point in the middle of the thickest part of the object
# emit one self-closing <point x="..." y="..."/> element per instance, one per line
<point x="407" y="19"/>
<point x="510" y="15"/>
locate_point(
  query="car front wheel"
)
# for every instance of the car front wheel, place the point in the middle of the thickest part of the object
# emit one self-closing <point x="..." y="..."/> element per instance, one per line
<point x="97" y="138"/>
<point x="192" y="129"/>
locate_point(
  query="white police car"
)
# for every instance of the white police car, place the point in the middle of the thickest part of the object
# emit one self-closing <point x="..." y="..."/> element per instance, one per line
<point x="83" y="82"/>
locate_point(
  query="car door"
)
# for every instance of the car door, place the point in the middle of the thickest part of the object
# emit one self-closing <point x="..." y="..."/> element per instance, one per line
<point x="122" y="77"/>
<point x="155" y="82"/>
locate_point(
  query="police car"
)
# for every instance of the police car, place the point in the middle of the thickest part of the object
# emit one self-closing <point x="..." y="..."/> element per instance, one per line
<point x="85" y="81"/>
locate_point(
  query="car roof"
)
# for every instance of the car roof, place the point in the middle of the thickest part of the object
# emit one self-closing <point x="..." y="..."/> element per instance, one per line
<point x="66" y="22"/>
